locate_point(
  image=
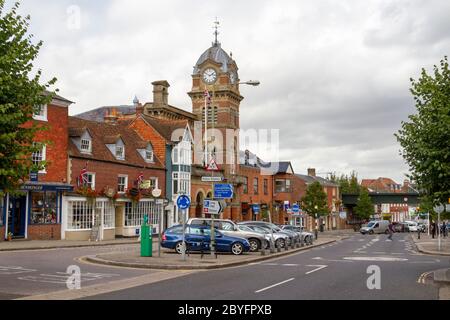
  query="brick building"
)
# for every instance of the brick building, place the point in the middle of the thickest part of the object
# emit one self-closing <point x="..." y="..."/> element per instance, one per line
<point x="37" y="213"/>
<point x="116" y="160"/>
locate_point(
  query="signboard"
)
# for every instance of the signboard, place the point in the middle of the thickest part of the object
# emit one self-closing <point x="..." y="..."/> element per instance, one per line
<point x="343" y="215"/>
<point x="157" y="193"/>
<point x="34" y="176"/>
<point x="212" y="207"/>
<point x="145" y="185"/>
<point x="256" y="209"/>
<point x="212" y="165"/>
<point x="223" y="191"/>
<point x="212" y="179"/>
<point x="183" y="202"/>
<point x="296" y="208"/>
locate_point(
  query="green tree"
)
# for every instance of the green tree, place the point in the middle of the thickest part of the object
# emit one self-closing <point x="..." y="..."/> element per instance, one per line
<point x="425" y="138"/>
<point x="348" y="184"/>
<point x="364" y="207"/>
<point x="20" y="94"/>
<point x="315" y="201"/>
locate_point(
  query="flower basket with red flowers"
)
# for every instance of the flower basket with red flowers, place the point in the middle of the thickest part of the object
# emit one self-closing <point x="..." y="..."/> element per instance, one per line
<point x="88" y="193"/>
<point x="134" y="194"/>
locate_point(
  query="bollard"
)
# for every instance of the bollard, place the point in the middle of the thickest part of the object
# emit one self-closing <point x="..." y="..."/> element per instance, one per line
<point x="279" y="246"/>
<point x="286" y="246"/>
<point x="418" y="231"/>
<point x="272" y="247"/>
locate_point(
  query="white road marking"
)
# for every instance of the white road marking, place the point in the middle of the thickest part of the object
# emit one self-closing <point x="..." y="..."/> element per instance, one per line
<point x="319" y="267"/>
<point x="14" y="270"/>
<point x="290" y="265"/>
<point x="381" y="259"/>
<point x="275" y="285"/>
<point x="423" y="277"/>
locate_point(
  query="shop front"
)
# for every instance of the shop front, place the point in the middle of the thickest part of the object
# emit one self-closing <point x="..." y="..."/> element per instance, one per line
<point x="34" y="212"/>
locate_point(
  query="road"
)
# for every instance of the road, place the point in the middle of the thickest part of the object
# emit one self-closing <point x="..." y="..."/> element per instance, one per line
<point x="335" y="271"/>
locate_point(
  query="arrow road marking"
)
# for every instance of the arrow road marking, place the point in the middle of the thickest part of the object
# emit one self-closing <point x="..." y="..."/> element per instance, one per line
<point x="275" y="285"/>
<point x="319" y="267"/>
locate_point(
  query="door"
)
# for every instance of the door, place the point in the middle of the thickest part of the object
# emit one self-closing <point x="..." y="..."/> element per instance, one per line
<point x="16" y="216"/>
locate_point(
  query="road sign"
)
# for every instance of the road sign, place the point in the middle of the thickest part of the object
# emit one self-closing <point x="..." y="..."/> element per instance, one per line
<point x="296" y="208"/>
<point x="212" y="165"/>
<point x="256" y="209"/>
<point x="212" y="207"/>
<point x="212" y="179"/>
<point x="223" y="191"/>
<point x="183" y="202"/>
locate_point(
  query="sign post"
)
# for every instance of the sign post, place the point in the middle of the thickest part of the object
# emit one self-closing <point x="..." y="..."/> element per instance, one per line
<point x="183" y="203"/>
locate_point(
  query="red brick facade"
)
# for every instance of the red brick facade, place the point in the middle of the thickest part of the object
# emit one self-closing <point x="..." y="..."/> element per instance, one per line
<point x="44" y="232"/>
<point x="148" y="133"/>
<point x="2" y="233"/>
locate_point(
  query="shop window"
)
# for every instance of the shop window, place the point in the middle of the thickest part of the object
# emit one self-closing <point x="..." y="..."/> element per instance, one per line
<point x="81" y="214"/>
<point x="134" y="213"/>
<point x="44" y="208"/>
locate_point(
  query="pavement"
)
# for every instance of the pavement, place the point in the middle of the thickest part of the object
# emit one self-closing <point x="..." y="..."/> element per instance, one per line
<point x="428" y="245"/>
<point x="169" y="260"/>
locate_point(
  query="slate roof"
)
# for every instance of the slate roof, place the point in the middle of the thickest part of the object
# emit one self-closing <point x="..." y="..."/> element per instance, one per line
<point x="217" y="54"/>
<point x="104" y="133"/>
<point x="322" y="181"/>
<point x="98" y="114"/>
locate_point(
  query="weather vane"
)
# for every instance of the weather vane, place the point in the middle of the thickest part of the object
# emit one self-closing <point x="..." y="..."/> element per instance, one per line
<point x="216" y="32"/>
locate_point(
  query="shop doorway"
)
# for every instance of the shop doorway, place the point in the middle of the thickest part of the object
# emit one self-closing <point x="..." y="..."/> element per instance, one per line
<point x="17" y="216"/>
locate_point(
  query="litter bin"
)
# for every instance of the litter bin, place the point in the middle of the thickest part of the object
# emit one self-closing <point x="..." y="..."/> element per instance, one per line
<point x="146" y="239"/>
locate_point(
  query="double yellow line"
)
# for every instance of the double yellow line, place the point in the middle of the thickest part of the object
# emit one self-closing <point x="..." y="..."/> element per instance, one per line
<point x="423" y="277"/>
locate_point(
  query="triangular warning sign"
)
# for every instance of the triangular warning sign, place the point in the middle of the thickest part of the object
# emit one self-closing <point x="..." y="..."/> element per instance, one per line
<point x="212" y="165"/>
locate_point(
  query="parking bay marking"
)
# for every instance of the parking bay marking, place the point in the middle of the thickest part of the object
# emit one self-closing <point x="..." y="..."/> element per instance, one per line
<point x="275" y="285"/>
<point x="62" y="277"/>
<point x="14" y="270"/>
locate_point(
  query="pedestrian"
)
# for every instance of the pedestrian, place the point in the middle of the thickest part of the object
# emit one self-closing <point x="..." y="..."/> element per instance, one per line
<point x="444" y="229"/>
<point x="391" y="230"/>
<point x="433" y="229"/>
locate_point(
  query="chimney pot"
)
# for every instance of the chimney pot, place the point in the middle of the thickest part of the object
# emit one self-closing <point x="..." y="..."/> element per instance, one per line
<point x="312" y="172"/>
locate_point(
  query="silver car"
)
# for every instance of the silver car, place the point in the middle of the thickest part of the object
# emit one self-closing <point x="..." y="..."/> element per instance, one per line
<point x="307" y="237"/>
<point x="279" y="239"/>
<point x="273" y="228"/>
<point x="229" y="228"/>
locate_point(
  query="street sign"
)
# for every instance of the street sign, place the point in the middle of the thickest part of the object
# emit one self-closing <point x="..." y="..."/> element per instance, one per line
<point x="256" y="209"/>
<point x="183" y="202"/>
<point x="212" y="179"/>
<point x="212" y="165"/>
<point x="223" y="191"/>
<point x="212" y="207"/>
<point x="296" y="208"/>
<point x="34" y="176"/>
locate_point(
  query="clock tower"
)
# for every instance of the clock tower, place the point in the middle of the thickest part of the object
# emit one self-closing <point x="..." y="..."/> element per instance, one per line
<point x="217" y="73"/>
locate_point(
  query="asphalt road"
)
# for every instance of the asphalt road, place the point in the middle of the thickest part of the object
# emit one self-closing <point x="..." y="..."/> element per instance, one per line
<point x="26" y="273"/>
<point x="335" y="271"/>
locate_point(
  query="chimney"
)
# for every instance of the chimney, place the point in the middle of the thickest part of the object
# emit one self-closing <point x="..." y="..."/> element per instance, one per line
<point x="111" y="117"/>
<point x="160" y="94"/>
<point x="406" y="185"/>
<point x="311" y="172"/>
<point x="139" y="107"/>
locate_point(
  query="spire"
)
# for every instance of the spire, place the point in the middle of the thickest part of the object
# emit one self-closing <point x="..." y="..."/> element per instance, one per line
<point x="135" y="100"/>
<point x="216" y="32"/>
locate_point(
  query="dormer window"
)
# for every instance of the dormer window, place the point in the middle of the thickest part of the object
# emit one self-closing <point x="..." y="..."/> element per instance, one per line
<point x="149" y="155"/>
<point x="40" y="113"/>
<point x="120" y="152"/>
<point x="86" y="145"/>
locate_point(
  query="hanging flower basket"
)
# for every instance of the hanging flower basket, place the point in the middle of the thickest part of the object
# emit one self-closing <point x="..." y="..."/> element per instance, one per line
<point x="10" y="235"/>
<point x="88" y="193"/>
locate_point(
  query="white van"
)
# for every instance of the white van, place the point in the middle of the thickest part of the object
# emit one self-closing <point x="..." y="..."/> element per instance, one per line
<point x="381" y="226"/>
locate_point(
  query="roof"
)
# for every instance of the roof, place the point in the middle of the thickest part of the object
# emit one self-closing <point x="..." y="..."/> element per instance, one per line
<point x="217" y="54"/>
<point x="57" y="97"/>
<point x="165" y="127"/>
<point x="312" y="179"/>
<point x="104" y="133"/>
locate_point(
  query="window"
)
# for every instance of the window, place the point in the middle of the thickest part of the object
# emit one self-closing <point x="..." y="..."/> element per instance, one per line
<point x="134" y="214"/>
<point x="245" y="185"/>
<point x="44" y="208"/>
<point x="122" y="184"/>
<point x="175" y="183"/>
<point x="120" y="152"/>
<point x="255" y="186"/>
<point x="282" y="185"/>
<point x="40" y="113"/>
<point x="91" y="181"/>
<point x="86" y="145"/>
<point x="181" y="183"/>
<point x="153" y="183"/>
<point x="212" y="114"/>
<point x="39" y="156"/>
<point x="81" y="214"/>
<point x="266" y="187"/>
<point x="149" y="156"/>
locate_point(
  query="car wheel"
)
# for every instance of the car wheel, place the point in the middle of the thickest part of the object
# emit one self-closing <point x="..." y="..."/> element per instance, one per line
<point x="310" y="240"/>
<point x="237" y="248"/>
<point x="371" y="232"/>
<point x="179" y="247"/>
<point x="254" y="245"/>
<point x="280" y="243"/>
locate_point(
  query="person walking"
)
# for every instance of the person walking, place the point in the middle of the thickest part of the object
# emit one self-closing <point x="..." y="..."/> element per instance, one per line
<point x="391" y="231"/>
<point x="433" y="229"/>
<point x="444" y="229"/>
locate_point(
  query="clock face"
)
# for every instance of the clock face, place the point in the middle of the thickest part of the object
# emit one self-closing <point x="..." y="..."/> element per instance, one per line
<point x="209" y="76"/>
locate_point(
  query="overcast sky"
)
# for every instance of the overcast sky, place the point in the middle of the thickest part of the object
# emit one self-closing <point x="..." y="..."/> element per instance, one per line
<point x="334" y="74"/>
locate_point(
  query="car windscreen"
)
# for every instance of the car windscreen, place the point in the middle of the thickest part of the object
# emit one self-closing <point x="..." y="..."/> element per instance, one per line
<point x="371" y="224"/>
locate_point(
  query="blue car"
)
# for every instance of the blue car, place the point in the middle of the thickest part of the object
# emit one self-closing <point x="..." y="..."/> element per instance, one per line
<point x="198" y="238"/>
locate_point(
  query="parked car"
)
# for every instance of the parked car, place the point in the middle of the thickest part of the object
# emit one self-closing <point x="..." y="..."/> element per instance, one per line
<point x="273" y="228"/>
<point x="412" y="226"/>
<point x="381" y="226"/>
<point x="307" y="237"/>
<point x="229" y="228"/>
<point x="279" y="239"/>
<point x="198" y="238"/>
<point x="400" y="227"/>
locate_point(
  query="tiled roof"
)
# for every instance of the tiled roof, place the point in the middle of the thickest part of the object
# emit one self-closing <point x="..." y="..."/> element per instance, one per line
<point x="165" y="127"/>
<point x="99" y="113"/>
<point x="104" y="133"/>
<point x="322" y="181"/>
